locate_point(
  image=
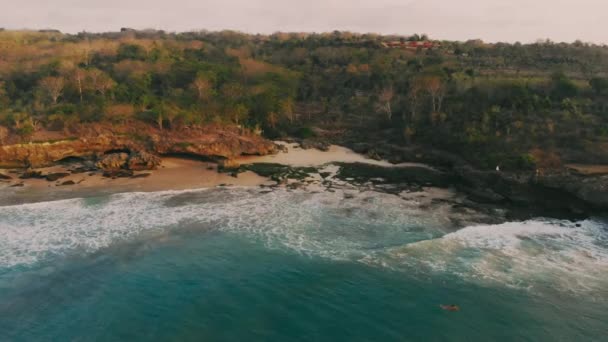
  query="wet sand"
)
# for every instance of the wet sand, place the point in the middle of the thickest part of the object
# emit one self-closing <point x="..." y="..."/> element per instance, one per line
<point x="174" y="174"/>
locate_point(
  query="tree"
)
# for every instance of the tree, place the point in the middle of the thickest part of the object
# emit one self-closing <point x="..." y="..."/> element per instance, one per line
<point x="53" y="87"/>
<point x="4" y="99"/>
<point x="287" y="107"/>
<point x="120" y="112"/>
<point x="232" y="92"/>
<point x="599" y="85"/>
<point x="202" y="85"/>
<point x="239" y="113"/>
<point x="100" y="81"/>
<point x="386" y="96"/>
<point x="131" y="51"/>
<point x="413" y="96"/>
<point x="3" y="135"/>
<point x="79" y="77"/>
<point x="562" y="87"/>
<point x="272" y="119"/>
<point x="436" y="89"/>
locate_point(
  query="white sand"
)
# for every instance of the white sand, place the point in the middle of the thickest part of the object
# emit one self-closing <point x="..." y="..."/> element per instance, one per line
<point x="179" y="174"/>
<point x="174" y="174"/>
<point x="296" y="156"/>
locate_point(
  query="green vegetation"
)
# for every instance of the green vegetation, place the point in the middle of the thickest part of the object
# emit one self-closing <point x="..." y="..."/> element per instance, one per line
<point x="514" y="105"/>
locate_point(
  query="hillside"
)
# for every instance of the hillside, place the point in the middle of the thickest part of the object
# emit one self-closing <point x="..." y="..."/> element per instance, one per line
<point x="519" y="106"/>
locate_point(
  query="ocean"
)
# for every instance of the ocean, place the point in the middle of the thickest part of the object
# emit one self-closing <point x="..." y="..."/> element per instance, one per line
<point x="237" y="264"/>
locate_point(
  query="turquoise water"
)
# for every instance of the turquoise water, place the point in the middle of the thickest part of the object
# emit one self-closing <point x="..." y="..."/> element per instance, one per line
<point x="237" y="264"/>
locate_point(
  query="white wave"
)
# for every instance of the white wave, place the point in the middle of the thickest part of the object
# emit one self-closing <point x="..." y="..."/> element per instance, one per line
<point x="318" y="224"/>
<point x="538" y="254"/>
<point x="376" y="229"/>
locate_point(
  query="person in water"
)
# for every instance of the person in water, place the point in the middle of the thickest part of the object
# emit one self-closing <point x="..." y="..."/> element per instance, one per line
<point x="451" y="307"/>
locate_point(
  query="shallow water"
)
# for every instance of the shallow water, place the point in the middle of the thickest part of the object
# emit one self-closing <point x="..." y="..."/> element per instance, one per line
<point x="240" y="263"/>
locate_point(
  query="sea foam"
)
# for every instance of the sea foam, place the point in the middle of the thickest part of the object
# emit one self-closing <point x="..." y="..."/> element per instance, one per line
<point x="536" y="254"/>
<point x="378" y="229"/>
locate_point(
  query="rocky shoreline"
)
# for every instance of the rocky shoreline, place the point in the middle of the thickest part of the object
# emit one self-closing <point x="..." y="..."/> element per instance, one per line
<point x="562" y="193"/>
<point x="123" y="154"/>
<point x="94" y="142"/>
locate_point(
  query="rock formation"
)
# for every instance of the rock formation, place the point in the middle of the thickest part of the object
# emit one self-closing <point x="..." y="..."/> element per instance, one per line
<point x="139" y="143"/>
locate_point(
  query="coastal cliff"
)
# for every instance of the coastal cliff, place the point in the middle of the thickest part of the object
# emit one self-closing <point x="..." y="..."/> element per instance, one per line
<point x="560" y="190"/>
<point x="94" y="141"/>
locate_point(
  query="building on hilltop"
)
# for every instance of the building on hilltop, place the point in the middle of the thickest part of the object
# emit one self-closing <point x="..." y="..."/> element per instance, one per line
<point x="412" y="45"/>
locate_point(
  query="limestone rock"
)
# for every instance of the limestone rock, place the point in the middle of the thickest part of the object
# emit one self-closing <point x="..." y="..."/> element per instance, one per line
<point x="118" y="173"/>
<point x="70" y="182"/>
<point x="229" y="164"/>
<point x="139" y="161"/>
<point x="211" y="142"/>
<point x="113" y="161"/>
<point x="319" y="145"/>
<point x="31" y="174"/>
<point x="51" y="177"/>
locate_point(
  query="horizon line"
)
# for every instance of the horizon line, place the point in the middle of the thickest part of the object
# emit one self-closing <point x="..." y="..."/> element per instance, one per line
<point x="250" y="33"/>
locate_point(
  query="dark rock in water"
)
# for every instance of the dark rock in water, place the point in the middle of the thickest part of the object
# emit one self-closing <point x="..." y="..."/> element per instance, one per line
<point x="278" y="172"/>
<point x="18" y="185"/>
<point x="282" y="148"/>
<point x="70" y="182"/>
<point x="139" y="161"/>
<point x="51" y="177"/>
<point x="141" y="175"/>
<point x="483" y="195"/>
<point x="319" y="145"/>
<point x="5" y="177"/>
<point x="325" y="174"/>
<point x="361" y="148"/>
<point x="591" y="189"/>
<point x="362" y="173"/>
<point x="294" y="186"/>
<point x="557" y="195"/>
<point x="372" y="154"/>
<point x="31" y="174"/>
<point x="118" y="173"/>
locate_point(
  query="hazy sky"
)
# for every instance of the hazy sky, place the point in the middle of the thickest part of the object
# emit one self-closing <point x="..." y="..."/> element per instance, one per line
<point x="491" y="20"/>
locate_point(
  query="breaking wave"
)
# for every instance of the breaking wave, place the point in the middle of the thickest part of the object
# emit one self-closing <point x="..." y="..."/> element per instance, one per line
<point x="373" y="228"/>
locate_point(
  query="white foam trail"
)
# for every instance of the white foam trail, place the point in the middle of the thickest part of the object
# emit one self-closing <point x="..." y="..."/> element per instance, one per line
<point x="536" y="254"/>
<point x="318" y="224"/>
<point x="373" y="228"/>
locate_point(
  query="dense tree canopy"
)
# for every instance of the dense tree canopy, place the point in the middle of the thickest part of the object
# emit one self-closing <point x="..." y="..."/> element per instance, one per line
<point x="493" y="103"/>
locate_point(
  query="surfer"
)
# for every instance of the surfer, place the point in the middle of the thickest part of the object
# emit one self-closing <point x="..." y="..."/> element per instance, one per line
<point x="451" y="307"/>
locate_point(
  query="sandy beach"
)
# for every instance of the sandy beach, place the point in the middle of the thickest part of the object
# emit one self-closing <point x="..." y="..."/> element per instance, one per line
<point x="174" y="174"/>
<point x="297" y="156"/>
